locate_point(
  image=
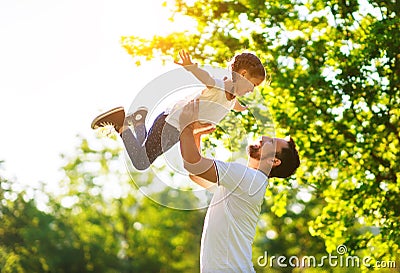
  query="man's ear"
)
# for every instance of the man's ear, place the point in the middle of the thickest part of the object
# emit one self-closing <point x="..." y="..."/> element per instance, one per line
<point x="276" y="162"/>
<point x="243" y="72"/>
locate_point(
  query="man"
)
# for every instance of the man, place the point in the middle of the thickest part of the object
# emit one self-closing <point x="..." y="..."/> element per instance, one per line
<point x="231" y="219"/>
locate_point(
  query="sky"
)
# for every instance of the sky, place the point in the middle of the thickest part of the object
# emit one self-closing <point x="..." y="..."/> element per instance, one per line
<point x="61" y="64"/>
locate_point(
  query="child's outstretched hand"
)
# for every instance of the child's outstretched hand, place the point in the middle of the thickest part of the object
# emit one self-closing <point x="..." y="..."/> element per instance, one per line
<point x="185" y="58"/>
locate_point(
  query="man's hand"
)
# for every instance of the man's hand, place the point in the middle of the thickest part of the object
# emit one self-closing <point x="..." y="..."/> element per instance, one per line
<point x="185" y="57"/>
<point x="189" y="115"/>
<point x="189" y="118"/>
<point x="239" y="107"/>
<point x="203" y="128"/>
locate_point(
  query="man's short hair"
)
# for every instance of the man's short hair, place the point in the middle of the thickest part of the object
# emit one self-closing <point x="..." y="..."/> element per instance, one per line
<point x="290" y="161"/>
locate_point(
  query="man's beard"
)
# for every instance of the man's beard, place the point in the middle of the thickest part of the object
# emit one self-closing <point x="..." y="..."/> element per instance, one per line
<point x="254" y="151"/>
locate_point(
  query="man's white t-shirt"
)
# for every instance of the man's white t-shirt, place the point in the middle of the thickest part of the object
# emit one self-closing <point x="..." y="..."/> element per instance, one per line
<point x="231" y="219"/>
<point x="213" y="106"/>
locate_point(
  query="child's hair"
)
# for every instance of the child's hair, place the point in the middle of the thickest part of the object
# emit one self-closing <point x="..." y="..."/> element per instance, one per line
<point x="251" y="63"/>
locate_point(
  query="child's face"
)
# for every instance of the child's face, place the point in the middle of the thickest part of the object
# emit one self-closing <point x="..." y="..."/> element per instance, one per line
<point x="245" y="83"/>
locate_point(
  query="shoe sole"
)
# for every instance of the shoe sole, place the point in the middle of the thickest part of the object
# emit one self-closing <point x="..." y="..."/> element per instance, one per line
<point x="144" y="108"/>
<point x="133" y="118"/>
<point x="101" y="116"/>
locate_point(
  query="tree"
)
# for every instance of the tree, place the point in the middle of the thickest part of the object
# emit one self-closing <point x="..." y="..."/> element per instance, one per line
<point x="335" y="89"/>
<point x="97" y="222"/>
<point x="124" y="231"/>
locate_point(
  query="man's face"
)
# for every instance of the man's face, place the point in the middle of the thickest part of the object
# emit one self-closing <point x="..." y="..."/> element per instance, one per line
<point x="267" y="147"/>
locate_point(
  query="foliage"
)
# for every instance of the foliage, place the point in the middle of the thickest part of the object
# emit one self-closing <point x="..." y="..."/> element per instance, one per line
<point x="97" y="222"/>
<point x="335" y="89"/>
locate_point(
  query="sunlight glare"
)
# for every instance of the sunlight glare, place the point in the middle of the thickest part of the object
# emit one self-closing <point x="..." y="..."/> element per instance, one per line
<point x="146" y="19"/>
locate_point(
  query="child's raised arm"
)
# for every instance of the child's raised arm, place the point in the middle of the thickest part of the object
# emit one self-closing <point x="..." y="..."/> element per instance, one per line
<point x="199" y="73"/>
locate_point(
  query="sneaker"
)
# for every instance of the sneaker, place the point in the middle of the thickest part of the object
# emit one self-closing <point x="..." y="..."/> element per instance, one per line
<point x="114" y="117"/>
<point x="138" y="117"/>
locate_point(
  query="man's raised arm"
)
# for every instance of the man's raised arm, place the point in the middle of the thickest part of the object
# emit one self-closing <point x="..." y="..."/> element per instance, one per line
<point x="193" y="161"/>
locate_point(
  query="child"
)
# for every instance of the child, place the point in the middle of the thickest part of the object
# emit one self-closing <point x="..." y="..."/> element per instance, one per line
<point x="216" y="101"/>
